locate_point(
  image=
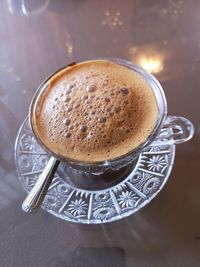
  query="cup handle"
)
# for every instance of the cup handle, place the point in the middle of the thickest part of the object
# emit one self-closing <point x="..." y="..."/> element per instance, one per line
<point x="180" y="130"/>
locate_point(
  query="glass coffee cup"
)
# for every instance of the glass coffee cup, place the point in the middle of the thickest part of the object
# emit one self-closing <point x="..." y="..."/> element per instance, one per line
<point x="178" y="130"/>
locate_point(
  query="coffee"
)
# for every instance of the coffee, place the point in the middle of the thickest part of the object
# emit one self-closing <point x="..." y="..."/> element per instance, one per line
<point x="95" y="110"/>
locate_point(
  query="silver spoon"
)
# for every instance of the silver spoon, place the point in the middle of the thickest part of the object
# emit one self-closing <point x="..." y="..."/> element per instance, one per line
<point x="36" y="196"/>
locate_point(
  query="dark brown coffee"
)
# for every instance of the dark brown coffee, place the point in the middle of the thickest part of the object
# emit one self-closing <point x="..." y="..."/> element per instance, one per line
<point x="95" y="110"/>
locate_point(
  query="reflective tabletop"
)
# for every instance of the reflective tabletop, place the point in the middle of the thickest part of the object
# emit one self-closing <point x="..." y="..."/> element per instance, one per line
<point x="37" y="38"/>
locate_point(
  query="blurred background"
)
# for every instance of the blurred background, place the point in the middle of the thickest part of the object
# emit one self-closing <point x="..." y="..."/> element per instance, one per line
<point x="37" y="38"/>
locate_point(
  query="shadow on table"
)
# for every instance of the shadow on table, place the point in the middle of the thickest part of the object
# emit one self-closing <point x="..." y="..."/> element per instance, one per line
<point x="95" y="257"/>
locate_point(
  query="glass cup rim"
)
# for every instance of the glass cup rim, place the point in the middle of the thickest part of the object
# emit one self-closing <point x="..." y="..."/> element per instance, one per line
<point x="151" y="80"/>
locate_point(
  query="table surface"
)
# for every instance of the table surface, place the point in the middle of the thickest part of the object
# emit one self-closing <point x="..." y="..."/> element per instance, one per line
<point x="39" y="37"/>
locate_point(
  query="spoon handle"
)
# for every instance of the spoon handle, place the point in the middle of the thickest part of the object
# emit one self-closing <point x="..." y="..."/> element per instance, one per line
<point x="36" y="196"/>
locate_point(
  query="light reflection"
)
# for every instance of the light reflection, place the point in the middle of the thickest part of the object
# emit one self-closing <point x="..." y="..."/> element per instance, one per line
<point x="69" y="45"/>
<point x="10" y="71"/>
<point x="27" y="7"/>
<point x="151" y="64"/>
<point x="112" y="19"/>
<point x="151" y="57"/>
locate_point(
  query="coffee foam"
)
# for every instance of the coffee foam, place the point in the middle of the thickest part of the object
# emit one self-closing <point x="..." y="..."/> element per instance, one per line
<point x="96" y="110"/>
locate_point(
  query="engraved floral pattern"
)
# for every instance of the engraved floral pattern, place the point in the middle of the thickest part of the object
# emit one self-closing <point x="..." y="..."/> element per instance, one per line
<point x="25" y="162"/>
<point x="77" y="207"/>
<point x="29" y="142"/>
<point x="51" y="202"/>
<point x="157" y="163"/>
<point x="104" y="213"/>
<point x="63" y="189"/>
<point x="151" y="185"/>
<point x="30" y="181"/>
<point x="74" y="204"/>
<point x="127" y="199"/>
<point x="43" y="160"/>
<point x="102" y="197"/>
<point x="136" y="177"/>
<point x="140" y="178"/>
